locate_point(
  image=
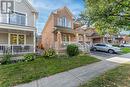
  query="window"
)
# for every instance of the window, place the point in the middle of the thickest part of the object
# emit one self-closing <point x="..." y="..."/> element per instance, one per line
<point x="13" y="39"/>
<point x="17" y="18"/>
<point x="21" y="39"/>
<point x="62" y="21"/>
<point x="65" y="38"/>
<point x="100" y="45"/>
<point x="17" y="39"/>
<point x="69" y="24"/>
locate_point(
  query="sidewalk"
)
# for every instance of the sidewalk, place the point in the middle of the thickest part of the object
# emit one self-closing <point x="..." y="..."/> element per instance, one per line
<point x="75" y="77"/>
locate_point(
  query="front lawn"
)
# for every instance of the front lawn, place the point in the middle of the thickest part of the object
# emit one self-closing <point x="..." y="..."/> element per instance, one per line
<point x="119" y="77"/>
<point x="125" y="50"/>
<point x="14" y="74"/>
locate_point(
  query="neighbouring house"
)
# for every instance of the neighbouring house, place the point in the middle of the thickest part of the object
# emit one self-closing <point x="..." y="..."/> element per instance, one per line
<point x="17" y="29"/>
<point x="89" y="35"/>
<point x="114" y="39"/>
<point x="126" y="39"/>
<point x="61" y="30"/>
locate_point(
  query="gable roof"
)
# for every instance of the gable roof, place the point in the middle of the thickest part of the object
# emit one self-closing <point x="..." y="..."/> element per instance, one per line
<point x="31" y="7"/>
<point x="69" y="12"/>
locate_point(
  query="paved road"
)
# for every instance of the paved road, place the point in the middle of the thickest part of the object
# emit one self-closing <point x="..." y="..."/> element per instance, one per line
<point x="77" y="76"/>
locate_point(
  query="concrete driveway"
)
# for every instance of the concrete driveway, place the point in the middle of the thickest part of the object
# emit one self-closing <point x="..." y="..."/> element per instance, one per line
<point x="102" y="55"/>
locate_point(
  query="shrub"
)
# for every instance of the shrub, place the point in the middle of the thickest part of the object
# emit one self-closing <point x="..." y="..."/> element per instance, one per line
<point x="6" y="59"/>
<point x="72" y="50"/>
<point x="29" y="57"/>
<point x="50" y="53"/>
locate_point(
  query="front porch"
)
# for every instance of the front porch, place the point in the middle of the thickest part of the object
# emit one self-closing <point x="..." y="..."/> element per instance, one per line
<point x="63" y="39"/>
<point x="17" y="41"/>
<point x="16" y="49"/>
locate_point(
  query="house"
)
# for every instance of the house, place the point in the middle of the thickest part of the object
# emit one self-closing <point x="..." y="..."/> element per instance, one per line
<point x="61" y="30"/>
<point x="89" y="34"/>
<point x="17" y="29"/>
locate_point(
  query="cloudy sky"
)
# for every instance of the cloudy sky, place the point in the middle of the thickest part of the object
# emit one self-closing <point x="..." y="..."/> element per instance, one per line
<point x="45" y="7"/>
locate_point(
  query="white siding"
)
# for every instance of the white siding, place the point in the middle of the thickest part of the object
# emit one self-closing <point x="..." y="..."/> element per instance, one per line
<point x="21" y="7"/>
<point x="3" y="38"/>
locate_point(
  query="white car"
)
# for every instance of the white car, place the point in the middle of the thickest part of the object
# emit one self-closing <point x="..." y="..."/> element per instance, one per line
<point x="107" y="48"/>
<point x="125" y="45"/>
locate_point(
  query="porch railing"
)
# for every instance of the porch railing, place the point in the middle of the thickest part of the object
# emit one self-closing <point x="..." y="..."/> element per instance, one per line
<point x="16" y="49"/>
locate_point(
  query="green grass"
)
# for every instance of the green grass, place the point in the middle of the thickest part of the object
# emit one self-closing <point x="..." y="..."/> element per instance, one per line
<point x="125" y="50"/>
<point x="118" y="77"/>
<point x="13" y="74"/>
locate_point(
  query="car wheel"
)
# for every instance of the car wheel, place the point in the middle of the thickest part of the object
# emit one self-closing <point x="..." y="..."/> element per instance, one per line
<point x="111" y="51"/>
<point x="94" y="49"/>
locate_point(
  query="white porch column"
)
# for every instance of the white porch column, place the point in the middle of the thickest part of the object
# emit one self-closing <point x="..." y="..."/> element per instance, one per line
<point x="59" y="40"/>
<point x="8" y="39"/>
<point x="34" y="41"/>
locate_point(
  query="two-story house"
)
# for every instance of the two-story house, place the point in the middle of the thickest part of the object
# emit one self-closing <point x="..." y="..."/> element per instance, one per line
<point x="61" y="30"/>
<point x="17" y="29"/>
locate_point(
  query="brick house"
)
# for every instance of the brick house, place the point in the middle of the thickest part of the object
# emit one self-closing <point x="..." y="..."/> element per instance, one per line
<point x="61" y="30"/>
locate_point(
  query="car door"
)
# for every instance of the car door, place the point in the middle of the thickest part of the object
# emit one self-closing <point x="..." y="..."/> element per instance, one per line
<point x="98" y="47"/>
<point x="103" y="47"/>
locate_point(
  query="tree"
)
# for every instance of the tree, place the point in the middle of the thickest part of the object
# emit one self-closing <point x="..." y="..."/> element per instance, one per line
<point x="84" y="20"/>
<point x="108" y="16"/>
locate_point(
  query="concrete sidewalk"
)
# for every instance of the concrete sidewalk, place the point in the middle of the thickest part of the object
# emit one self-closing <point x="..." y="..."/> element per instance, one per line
<point x="75" y="77"/>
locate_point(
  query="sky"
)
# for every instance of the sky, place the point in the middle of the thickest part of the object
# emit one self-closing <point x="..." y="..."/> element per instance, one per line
<point x="45" y="7"/>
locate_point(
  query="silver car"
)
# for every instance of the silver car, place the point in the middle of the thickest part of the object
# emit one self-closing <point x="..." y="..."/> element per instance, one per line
<point x="107" y="48"/>
<point x="125" y="45"/>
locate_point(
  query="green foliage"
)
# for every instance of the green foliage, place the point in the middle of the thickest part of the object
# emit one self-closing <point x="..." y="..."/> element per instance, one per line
<point x="50" y="53"/>
<point x="6" y="59"/>
<point x="29" y="57"/>
<point x="72" y="50"/>
<point x="125" y="50"/>
<point x="108" y="15"/>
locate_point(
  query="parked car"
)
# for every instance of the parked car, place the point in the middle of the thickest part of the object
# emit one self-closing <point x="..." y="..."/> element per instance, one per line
<point x="106" y="47"/>
<point x="125" y="45"/>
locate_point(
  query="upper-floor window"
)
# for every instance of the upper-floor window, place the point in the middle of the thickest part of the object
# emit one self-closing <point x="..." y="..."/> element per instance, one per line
<point x="62" y="21"/>
<point x="17" y="18"/>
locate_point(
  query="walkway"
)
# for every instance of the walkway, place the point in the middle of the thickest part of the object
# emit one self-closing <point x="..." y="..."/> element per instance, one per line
<point x="78" y="76"/>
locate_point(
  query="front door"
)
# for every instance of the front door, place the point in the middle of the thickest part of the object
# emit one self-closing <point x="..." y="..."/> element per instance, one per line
<point x="65" y="38"/>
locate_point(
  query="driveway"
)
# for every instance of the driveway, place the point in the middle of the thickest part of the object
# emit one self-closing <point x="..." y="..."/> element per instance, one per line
<point x="102" y="55"/>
